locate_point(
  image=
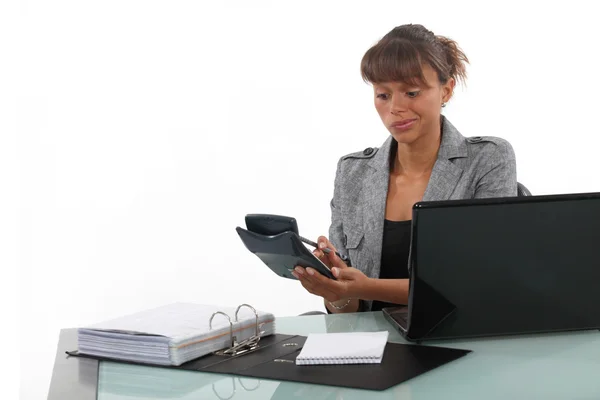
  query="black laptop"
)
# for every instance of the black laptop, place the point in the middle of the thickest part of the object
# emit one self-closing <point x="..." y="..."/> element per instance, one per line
<point x="503" y="266"/>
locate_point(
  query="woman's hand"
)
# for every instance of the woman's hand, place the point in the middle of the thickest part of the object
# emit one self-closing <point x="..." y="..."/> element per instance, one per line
<point x="350" y="283"/>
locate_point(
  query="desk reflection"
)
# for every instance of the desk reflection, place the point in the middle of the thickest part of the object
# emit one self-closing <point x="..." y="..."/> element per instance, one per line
<point x="131" y="382"/>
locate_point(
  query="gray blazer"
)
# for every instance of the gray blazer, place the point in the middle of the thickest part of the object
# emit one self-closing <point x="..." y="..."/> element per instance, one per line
<point x="466" y="168"/>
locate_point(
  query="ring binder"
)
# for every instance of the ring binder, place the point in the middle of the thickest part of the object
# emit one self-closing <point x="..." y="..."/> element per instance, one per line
<point x="177" y="333"/>
<point x="276" y="361"/>
<point x="183" y="336"/>
<point x="244" y="346"/>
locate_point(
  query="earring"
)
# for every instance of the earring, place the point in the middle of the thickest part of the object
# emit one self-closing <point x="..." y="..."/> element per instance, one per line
<point x="443" y="105"/>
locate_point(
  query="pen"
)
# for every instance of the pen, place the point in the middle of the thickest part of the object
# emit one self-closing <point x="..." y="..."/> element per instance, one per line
<point x="325" y="250"/>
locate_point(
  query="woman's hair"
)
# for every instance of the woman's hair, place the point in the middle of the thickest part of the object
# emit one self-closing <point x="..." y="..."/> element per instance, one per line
<point x="399" y="57"/>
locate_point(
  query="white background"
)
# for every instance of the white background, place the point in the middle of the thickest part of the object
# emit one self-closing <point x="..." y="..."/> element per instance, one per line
<point x="139" y="133"/>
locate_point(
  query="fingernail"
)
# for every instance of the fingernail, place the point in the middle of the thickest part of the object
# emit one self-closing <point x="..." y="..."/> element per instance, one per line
<point x="335" y="271"/>
<point x="322" y="245"/>
<point x="295" y="274"/>
<point x="298" y="270"/>
<point x="310" y="271"/>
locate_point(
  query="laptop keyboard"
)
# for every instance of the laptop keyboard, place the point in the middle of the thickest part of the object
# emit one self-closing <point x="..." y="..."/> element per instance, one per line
<point x="399" y="315"/>
<point x="402" y="317"/>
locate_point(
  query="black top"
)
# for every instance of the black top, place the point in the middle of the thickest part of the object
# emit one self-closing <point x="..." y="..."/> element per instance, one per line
<point x="394" y="254"/>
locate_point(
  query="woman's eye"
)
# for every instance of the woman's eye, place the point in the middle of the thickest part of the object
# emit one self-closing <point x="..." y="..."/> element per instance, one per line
<point x="414" y="94"/>
<point x="382" y="96"/>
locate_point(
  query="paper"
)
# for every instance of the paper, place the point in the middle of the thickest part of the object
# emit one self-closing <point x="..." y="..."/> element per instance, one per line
<point x="171" y="334"/>
<point x="343" y="348"/>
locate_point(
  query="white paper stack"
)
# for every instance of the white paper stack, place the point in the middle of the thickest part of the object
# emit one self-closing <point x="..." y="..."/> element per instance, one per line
<point x="343" y="348"/>
<point x="172" y="334"/>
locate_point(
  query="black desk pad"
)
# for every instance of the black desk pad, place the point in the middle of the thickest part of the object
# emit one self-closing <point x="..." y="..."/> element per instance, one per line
<point x="275" y="359"/>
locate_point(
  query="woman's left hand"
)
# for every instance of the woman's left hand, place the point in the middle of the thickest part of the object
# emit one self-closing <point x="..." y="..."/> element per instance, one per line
<point x="350" y="282"/>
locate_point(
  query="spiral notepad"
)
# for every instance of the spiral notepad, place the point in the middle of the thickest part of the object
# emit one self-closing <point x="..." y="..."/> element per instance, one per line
<point x="343" y="348"/>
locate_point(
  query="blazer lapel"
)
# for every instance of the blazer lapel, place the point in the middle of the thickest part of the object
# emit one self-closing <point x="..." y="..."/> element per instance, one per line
<point x="443" y="180"/>
<point x="446" y="174"/>
<point x="374" y="199"/>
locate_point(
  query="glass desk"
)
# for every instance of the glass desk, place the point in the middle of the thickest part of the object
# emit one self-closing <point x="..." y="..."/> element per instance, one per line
<point x="549" y="366"/>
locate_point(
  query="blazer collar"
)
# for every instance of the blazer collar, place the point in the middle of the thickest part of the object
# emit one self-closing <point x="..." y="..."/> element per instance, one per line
<point x="452" y="146"/>
<point x="446" y="173"/>
<point x="453" y="143"/>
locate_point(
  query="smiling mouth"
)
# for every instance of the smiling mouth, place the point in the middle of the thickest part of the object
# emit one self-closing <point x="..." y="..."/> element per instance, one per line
<point x="407" y="123"/>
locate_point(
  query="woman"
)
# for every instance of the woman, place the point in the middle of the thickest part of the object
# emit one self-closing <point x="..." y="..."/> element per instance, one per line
<point x="413" y="73"/>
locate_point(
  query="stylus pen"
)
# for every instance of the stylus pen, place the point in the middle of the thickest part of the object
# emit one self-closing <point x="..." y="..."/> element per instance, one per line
<point x="325" y="250"/>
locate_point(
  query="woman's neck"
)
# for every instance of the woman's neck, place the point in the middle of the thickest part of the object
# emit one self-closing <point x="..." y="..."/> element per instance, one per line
<point x="417" y="159"/>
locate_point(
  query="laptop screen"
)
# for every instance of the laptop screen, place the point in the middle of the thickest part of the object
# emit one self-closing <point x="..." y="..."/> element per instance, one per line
<point x="501" y="266"/>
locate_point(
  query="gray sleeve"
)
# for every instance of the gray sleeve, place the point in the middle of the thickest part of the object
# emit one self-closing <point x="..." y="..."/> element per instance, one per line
<point x="499" y="178"/>
<point x="336" y="233"/>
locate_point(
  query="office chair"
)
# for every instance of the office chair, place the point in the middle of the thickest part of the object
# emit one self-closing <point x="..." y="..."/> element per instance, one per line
<point x="521" y="192"/>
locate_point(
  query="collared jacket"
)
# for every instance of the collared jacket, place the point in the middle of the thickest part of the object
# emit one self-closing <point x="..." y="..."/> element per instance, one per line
<point x="465" y="168"/>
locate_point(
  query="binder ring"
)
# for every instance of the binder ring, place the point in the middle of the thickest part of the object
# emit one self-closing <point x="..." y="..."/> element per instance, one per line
<point x="230" y="325"/>
<point x="255" y="313"/>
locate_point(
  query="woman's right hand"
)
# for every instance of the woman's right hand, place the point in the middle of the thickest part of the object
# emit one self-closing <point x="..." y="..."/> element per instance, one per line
<point x="323" y="243"/>
<point x="347" y="288"/>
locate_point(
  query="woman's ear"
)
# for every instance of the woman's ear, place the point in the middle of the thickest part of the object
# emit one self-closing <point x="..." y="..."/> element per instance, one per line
<point x="448" y="90"/>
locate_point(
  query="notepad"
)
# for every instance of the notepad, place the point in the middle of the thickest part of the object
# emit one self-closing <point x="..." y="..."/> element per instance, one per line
<point x="343" y="348"/>
<point x="172" y="334"/>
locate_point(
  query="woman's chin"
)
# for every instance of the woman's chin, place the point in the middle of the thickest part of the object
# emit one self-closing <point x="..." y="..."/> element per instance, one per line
<point x="407" y="137"/>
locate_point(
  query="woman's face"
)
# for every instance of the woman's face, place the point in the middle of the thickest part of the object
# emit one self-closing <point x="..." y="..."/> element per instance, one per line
<point x="411" y="112"/>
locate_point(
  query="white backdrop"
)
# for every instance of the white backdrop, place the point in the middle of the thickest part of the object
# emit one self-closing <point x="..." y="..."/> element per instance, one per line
<point x="145" y="130"/>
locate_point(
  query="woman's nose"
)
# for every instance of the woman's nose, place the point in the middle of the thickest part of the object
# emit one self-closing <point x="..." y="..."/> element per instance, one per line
<point x="398" y="104"/>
